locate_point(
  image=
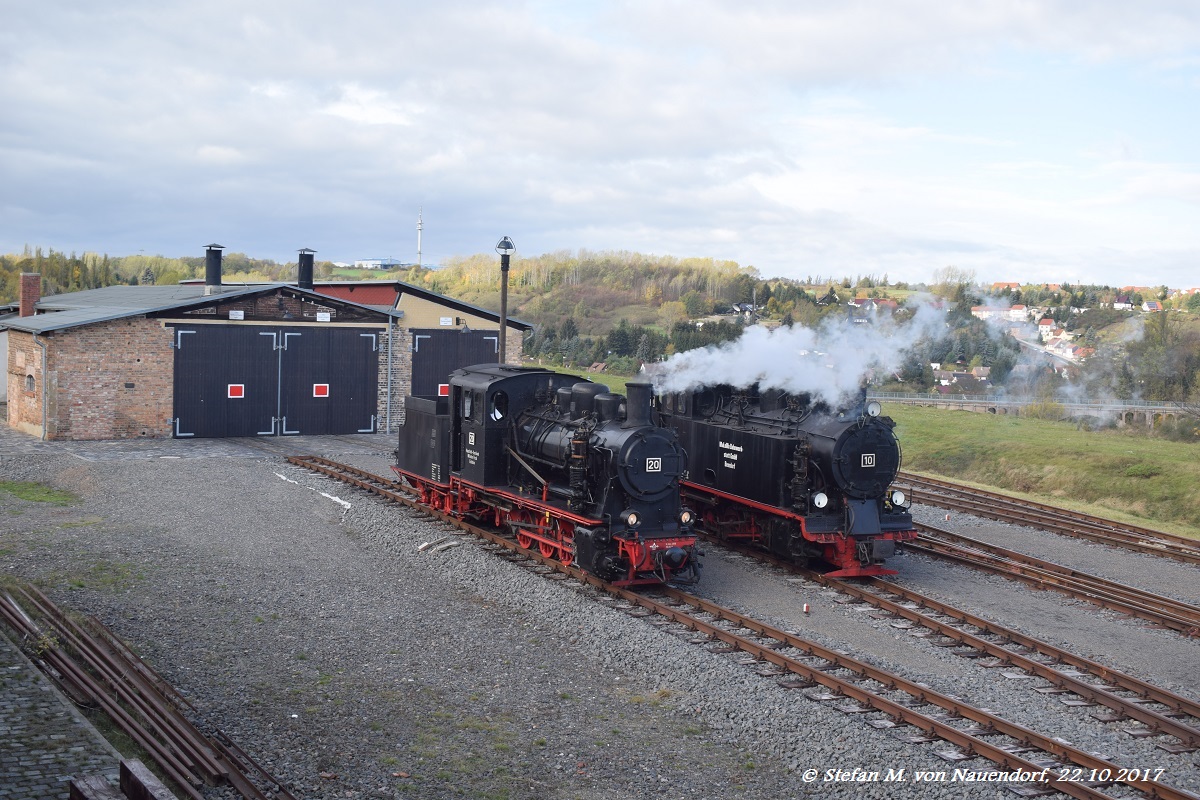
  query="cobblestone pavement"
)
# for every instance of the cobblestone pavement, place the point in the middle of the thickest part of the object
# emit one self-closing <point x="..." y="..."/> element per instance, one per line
<point x="44" y="741"/>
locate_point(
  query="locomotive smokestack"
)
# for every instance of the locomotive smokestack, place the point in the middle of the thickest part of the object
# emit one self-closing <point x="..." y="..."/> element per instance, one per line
<point x="638" y="396"/>
<point x="304" y="273"/>
<point x="212" y="269"/>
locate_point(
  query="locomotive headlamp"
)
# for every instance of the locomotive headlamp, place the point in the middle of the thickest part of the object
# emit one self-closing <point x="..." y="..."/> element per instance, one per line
<point x="631" y="519"/>
<point x="874" y="409"/>
<point x="686" y="517"/>
<point x="898" y="498"/>
<point x="820" y="500"/>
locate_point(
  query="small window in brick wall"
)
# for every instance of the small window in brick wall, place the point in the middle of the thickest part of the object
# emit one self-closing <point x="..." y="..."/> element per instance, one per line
<point x="29" y="384"/>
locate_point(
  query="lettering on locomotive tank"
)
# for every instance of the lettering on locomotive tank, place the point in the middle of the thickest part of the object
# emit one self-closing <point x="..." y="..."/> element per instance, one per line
<point x="729" y="452"/>
<point x="653" y="465"/>
<point x="868" y="460"/>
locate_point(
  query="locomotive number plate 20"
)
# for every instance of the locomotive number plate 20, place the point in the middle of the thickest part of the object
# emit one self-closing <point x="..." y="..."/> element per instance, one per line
<point x="653" y="465"/>
<point x="868" y="459"/>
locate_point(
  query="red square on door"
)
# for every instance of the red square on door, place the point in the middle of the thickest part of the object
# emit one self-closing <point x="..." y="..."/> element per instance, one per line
<point x="443" y="390"/>
<point x="237" y="390"/>
<point x="320" y="390"/>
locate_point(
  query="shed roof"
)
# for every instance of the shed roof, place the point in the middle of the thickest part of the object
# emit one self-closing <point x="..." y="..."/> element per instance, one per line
<point x="344" y="289"/>
<point x="75" y="309"/>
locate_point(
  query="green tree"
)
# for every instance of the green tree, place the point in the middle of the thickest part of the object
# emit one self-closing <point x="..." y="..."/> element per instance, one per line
<point x="619" y="341"/>
<point x="696" y="304"/>
<point x="672" y="312"/>
<point x="643" y="352"/>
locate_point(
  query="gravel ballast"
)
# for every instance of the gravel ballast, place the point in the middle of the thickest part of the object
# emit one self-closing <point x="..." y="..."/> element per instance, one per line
<point x="351" y="664"/>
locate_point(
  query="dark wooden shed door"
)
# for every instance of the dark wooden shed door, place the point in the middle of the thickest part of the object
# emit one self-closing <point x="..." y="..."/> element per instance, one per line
<point x="436" y="352"/>
<point x="233" y="380"/>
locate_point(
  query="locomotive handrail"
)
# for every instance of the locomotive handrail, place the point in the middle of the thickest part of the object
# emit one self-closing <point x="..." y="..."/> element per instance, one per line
<point x="528" y="468"/>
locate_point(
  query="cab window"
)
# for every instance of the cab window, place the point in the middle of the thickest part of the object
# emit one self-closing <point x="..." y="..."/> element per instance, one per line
<point x="499" y="406"/>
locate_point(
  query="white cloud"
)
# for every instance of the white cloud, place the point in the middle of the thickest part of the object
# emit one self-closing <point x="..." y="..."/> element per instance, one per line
<point x="757" y="133"/>
<point x="217" y="154"/>
<point x="370" y="107"/>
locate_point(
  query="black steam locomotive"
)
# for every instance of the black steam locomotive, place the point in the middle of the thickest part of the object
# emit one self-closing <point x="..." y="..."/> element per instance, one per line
<point x="570" y="468"/>
<point x="793" y="475"/>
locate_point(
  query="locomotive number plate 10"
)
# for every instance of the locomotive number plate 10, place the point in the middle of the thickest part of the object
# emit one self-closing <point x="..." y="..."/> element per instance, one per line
<point x="653" y="465"/>
<point x="868" y="460"/>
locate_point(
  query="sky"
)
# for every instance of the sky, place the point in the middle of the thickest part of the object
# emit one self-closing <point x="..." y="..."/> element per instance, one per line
<point x="1023" y="140"/>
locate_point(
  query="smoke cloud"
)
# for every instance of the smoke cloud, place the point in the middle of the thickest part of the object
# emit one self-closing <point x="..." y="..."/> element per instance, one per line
<point x="829" y="362"/>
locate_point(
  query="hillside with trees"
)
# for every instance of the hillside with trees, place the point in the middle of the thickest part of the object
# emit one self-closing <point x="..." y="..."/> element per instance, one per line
<point x="625" y="308"/>
<point x="62" y="272"/>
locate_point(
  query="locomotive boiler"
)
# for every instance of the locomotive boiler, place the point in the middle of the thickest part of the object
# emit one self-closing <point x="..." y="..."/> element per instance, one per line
<point x="581" y="474"/>
<point x="805" y="480"/>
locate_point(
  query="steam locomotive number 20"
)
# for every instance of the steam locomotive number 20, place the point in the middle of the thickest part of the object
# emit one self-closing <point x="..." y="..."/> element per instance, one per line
<point x="569" y="468"/>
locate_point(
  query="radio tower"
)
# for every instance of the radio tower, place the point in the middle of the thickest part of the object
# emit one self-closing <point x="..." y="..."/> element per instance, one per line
<point x="419" y="226"/>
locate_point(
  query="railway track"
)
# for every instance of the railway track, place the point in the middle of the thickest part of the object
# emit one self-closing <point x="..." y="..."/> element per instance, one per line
<point x="885" y="700"/>
<point x="1127" y="698"/>
<point x="1167" y="612"/>
<point x="96" y="669"/>
<point x="285" y="446"/>
<point x="981" y="503"/>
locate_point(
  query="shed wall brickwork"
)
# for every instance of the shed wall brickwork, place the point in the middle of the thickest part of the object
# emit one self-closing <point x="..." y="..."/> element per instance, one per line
<point x="271" y="307"/>
<point x="24" y="363"/>
<point x="110" y="380"/>
<point x="396" y="355"/>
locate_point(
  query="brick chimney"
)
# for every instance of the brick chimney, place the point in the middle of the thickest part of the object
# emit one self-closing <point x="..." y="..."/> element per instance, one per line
<point x="31" y="292"/>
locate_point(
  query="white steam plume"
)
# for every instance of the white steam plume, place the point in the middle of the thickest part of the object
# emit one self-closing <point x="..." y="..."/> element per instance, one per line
<point x="830" y="362"/>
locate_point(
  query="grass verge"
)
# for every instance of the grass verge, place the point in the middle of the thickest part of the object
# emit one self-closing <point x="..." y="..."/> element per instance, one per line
<point x="37" y="493"/>
<point x="1113" y="473"/>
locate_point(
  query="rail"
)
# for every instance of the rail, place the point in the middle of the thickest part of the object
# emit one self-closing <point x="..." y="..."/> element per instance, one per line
<point x="1054" y="519"/>
<point x="96" y="668"/>
<point x="924" y="709"/>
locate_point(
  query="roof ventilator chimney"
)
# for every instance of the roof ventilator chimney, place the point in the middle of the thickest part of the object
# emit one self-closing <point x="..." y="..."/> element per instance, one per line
<point x="212" y="269"/>
<point x="304" y="274"/>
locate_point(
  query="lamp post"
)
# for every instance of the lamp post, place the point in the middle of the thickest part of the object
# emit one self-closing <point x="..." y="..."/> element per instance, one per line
<point x="504" y="247"/>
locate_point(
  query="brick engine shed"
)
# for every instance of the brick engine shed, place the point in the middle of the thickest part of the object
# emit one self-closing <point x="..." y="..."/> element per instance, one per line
<point x="212" y="360"/>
